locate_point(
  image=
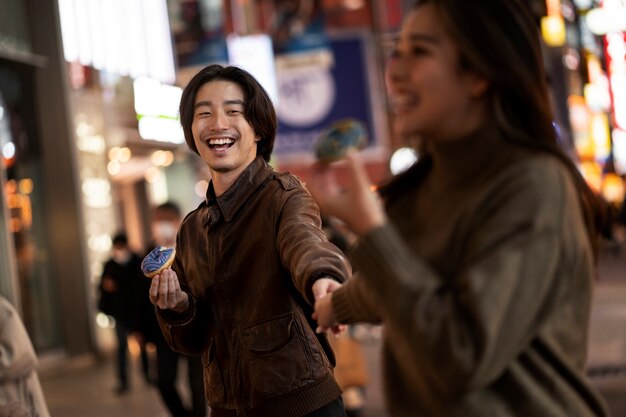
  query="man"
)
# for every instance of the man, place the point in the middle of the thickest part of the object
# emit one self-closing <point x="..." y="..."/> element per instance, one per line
<point x="165" y="222"/>
<point x="250" y="261"/>
<point x="119" y="275"/>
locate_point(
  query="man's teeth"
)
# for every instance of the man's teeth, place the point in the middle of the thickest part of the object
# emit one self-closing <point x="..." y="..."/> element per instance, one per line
<point x="219" y="142"/>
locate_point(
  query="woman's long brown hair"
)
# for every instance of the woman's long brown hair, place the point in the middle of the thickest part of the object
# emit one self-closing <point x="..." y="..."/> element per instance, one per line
<point x="499" y="40"/>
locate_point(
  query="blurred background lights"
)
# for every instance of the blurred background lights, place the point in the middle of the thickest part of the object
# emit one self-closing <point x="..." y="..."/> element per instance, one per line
<point x="84" y="129"/>
<point x="567" y="10"/>
<point x="105" y="321"/>
<point x="100" y="242"/>
<point x="201" y="187"/>
<point x="157" y="184"/>
<point x="119" y="154"/>
<point x="94" y="144"/>
<point x="96" y="192"/>
<point x="96" y="269"/>
<point x="601" y="21"/>
<point x="10" y="187"/>
<point x="613" y="188"/>
<point x="161" y="129"/>
<point x="402" y="159"/>
<point x="152" y="174"/>
<point x="592" y="174"/>
<point x="571" y="59"/>
<point x="26" y="186"/>
<point x="8" y="150"/>
<point x="162" y="158"/>
<point x="601" y="135"/>
<point x="153" y="98"/>
<point x="583" y="4"/>
<point x="114" y="167"/>
<point x="113" y="35"/>
<point x="553" y="30"/>
<point x="156" y="105"/>
<point x="619" y="149"/>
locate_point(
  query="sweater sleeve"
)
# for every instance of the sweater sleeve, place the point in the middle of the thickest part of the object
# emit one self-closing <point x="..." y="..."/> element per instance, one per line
<point x="356" y="302"/>
<point x="461" y="332"/>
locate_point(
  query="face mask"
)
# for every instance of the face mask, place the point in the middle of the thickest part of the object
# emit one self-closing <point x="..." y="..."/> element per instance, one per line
<point x="121" y="256"/>
<point x="164" y="233"/>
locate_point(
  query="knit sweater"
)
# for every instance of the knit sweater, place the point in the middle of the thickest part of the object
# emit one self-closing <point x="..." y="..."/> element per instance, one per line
<point x="483" y="279"/>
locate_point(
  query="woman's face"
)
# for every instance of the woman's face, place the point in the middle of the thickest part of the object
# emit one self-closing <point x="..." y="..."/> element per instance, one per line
<point x="432" y="96"/>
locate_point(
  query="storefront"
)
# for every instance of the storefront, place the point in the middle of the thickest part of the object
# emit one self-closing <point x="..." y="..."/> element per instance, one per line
<point x="42" y="269"/>
<point x="591" y="54"/>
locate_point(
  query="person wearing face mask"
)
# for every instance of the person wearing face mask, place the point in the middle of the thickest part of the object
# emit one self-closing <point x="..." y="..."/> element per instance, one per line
<point x="164" y="231"/>
<point x="119" y="276"/>
<point x="165" y="221"/>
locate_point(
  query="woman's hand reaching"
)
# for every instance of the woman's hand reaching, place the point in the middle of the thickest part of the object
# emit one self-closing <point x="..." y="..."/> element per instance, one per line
<point x="355" y="204"/>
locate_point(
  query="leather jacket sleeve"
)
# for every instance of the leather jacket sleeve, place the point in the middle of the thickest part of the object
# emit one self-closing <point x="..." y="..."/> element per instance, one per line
<point x="303" y="246"/>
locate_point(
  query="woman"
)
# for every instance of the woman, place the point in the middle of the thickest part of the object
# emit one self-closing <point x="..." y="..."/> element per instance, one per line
<point x="479" y="259"/>
<point x="20" y="389"/>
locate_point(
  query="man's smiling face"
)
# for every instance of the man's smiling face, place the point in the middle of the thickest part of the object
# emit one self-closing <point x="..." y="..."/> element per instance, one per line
<point x="221" y="132"/>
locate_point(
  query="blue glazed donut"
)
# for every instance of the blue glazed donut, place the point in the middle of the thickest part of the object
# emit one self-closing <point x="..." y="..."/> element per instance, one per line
<point x="339" y="138"/>
<point x="159" y="259"/>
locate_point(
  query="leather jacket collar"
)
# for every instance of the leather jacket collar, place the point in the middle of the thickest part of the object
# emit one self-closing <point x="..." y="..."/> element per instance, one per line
<point x="244" y="186"/>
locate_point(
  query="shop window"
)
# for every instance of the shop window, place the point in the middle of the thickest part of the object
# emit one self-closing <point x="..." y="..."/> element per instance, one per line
<point x="13" y="27"/>
<point x="25" y="206"/>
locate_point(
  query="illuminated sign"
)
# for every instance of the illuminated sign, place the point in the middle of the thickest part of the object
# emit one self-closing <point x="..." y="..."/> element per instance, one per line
<point x="19" y="204"/>
<point x="609" y="18"/>
<point x="255" y="54"/>
<point x="553" y="25"/>
<point x="156" y="106"/>
<point x="615" y="48"/>
<point x="125" y="37"/>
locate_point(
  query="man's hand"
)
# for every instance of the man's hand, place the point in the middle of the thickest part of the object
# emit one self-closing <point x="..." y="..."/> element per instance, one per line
<point x="324" y="286"/>
<point x="324" y="313"/>
<point x="165" y="292"/>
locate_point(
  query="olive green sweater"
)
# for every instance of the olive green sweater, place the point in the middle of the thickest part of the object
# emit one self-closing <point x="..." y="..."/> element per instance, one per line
<point x="483" y="281"/>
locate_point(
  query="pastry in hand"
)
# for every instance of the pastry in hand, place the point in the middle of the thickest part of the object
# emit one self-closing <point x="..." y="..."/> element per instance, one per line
<point x="158" y="260"/>
<point x="341" y="137"/>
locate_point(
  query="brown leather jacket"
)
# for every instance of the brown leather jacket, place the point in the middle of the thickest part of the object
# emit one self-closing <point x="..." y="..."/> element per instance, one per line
<point x="249" y="259"/>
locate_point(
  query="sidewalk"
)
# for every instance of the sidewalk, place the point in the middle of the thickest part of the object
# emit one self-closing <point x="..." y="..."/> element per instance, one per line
<point x="607" y="336"/>
<point x="83" y="387"/>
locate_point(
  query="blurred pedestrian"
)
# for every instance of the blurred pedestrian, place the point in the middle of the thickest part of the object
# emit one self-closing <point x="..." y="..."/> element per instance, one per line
<point x="479" y="258"/>
<point x="250" y="261"/>
<point x="20" y="389"/>
<point x="166" y="219"/>
<point x="119" y="276"/>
